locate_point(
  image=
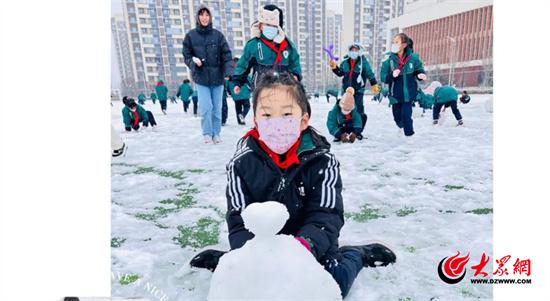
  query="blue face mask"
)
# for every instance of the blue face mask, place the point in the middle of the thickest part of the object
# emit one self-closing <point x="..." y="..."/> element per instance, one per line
<point x="270" y="32"/>
<point x="353" y="55"/>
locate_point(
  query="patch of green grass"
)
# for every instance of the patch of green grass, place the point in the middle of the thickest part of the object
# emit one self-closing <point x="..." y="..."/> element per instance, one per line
<point x="122" y="164"/>
<point x="410" y="249"/>
<point x="447" y="211"/>
<point x="426" y="181"/>
<point x="467" y="293"/>
<point x="142" y="170"/>
<point x="146" y="216"/>
<point x="129" y="278"/>
<point x="171" y="174"/>
<point x="449" y="187"/>
<point x="184" y="199"/>
<point x="481" y="211"/>
<point x="405" y="211"/>
<point x="365" y="214"/>
<point x="204" y="233"/>
<point x="371" y="168"/>
<point x="116" y="242"/>
<point x="197" y="170"/>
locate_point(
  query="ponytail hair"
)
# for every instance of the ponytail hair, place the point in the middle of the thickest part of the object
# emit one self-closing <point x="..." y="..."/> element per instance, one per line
<point x="407" y="40"/>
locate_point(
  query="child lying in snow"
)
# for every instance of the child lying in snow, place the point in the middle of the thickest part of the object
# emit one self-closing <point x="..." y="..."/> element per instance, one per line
<point x="283" y="159"/>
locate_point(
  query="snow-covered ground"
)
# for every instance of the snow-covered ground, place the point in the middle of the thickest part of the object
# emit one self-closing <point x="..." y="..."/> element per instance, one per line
<point x="427" y="198"/>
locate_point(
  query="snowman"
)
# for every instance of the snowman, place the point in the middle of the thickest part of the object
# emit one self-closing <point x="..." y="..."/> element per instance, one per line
<point x="270" y="266"/>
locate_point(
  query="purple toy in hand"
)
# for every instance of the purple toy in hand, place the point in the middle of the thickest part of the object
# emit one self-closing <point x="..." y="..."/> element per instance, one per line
<point x="330" y="51"/>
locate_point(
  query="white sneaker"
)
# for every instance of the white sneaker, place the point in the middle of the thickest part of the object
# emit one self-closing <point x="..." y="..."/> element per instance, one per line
<point x="207" y="139"/>
<point x="216" y="140"/>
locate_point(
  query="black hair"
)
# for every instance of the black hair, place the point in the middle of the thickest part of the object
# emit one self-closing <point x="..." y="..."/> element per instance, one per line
<point x="354" y="46"/>
<point x="203" y="9"/>
<point x="236" y="59"/>
<point x="273" y="7"/>
<point x="271" y="79"/>
<point x="130" y="103"/>
<point x="464" y="92"/>
<point x="186" y="81"/>
<point x="124" y="99"/>
<point x="406" y="39"/>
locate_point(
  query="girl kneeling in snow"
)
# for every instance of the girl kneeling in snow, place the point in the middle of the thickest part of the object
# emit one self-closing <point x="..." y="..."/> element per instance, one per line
<point x="283" y="159"/>
<point x="343" y="121"/>
<point x="133" y="114"/>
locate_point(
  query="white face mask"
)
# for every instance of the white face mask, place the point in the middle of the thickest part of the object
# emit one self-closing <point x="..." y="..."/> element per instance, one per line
<point x="395" y="48"/>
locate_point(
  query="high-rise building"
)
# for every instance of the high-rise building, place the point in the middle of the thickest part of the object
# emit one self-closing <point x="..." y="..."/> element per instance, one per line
<point x="454" y="39"/>
<point x="124" y="57"/>
<point x="334" y="37"/>
<point x="367" y="26"/>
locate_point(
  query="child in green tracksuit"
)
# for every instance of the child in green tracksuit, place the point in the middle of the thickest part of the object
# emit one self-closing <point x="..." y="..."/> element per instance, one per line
<point x="446" y="96"/>
<point x="241" y="99"/>
<point x="134" y="114"/>
<point x="332" y="92"/>
<point x="141" y="98"/>
<point x="162" y="94"/>
<point x="355" y="70"/>
<point x="343" y="121"/>
<point x="269" y="50"/>
<point x="400" y="71"/>
<point x="154" y="97"/>
<point x="184" y="93"/>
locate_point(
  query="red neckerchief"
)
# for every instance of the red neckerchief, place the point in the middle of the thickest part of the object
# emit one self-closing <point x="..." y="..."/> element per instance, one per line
<point x="278" y="51"/>
<point x="347" y="117"/>
<point x="402" y="61"/>
<point x="351" y="68"/>
<point x="136" y="118"/>
<point x="291" y="156"/>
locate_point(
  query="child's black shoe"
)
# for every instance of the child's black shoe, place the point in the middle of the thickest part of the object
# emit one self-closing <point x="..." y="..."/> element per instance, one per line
<point x="374" y="255"/>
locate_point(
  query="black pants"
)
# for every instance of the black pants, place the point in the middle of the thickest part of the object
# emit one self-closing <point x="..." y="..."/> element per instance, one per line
<point x="454" y="108"/>
<point x="242" y="107"/>
<point x="151" y="119"/>
<point x="186" y="105"/>
<point x="195" y="104"/>
<point x="224" y="110"/>
<point x="358" y="97"/>
<point x="162" y="105"/>
<point x="402" y="115"/>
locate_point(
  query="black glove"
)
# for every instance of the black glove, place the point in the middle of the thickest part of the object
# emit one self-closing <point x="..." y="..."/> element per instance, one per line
<point x="128" y="129"/>
<point x="207" y="259"/>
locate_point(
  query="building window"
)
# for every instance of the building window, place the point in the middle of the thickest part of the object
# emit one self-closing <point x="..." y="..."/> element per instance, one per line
<point x="176" y="12"/>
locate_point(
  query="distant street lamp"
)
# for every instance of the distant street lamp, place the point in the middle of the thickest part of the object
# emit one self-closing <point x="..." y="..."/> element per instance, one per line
<point x="452" y="63"/>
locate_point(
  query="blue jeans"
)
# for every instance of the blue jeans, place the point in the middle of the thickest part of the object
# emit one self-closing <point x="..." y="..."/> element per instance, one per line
<point x="345" y="270"/>
<point x="210" y="108"/>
